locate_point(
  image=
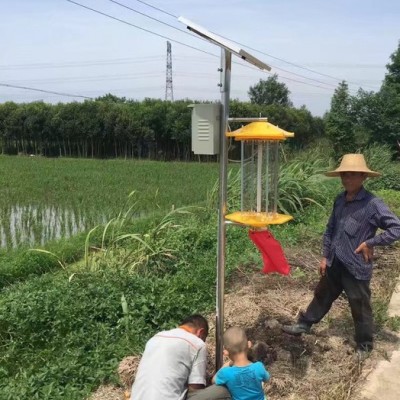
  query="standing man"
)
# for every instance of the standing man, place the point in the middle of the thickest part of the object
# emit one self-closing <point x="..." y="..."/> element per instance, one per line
<point x="173" y="365"/>
<point x="348" y="245"/>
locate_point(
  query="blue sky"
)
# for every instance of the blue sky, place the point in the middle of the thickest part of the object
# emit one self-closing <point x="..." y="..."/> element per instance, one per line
<point x="58" y="46"/>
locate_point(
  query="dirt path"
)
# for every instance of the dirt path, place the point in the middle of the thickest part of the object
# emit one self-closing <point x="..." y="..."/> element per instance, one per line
<point x="319" y="366"/>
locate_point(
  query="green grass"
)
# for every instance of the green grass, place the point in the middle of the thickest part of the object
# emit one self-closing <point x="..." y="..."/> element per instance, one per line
<point x="103" y="184"/>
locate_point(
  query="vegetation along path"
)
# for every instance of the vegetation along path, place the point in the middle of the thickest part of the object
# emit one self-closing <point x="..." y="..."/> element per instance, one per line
<point x="321" y="365"/>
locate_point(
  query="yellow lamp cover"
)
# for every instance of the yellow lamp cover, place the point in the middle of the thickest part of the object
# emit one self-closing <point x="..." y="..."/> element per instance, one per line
<point x="258" y="219"/>
<point x="260" y="130"/>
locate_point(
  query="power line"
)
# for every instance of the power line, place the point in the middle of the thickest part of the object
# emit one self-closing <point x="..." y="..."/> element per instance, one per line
<point x="295" y="65"/>
<point x="267" y="54"/>
<point x="44" y="91"/>
<point x="116" y="61"/>
<point x="138" y="27"/>
<point x="184" y="44"/>
<point x="158" y="9"/>
<point x="88" y="63"/>
<point x="98" y="78"/>
<point x="151" y="32"/>
<point x="332" y="86"/>
<point x="150" y="17"/>
<point x="181" y="30"/>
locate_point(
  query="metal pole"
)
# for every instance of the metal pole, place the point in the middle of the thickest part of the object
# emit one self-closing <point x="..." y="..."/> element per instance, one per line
<point x="226" y="63"/>
<point x="242" y="177"/>
<point x="259" y="175"/>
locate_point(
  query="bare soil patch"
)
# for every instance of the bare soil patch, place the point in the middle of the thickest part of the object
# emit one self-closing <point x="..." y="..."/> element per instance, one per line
<point x="320" y="366"/>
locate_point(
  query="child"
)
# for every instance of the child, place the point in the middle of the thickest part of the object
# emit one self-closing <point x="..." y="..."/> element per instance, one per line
<point x="242" y="377"/>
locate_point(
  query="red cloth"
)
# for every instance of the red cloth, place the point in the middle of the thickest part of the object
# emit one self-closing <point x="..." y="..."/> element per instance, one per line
<point x="273" y="257"/>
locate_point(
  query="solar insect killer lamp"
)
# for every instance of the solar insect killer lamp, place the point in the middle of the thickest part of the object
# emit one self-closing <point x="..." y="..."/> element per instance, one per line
<point x="260" y="142"/>
<point x="204" y="133"/>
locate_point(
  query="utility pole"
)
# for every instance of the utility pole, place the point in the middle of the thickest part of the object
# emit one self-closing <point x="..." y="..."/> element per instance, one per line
<point x="169" y="90"/>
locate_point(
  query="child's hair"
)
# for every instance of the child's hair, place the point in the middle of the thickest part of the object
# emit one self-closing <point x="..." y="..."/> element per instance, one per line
<point x="235" y="340"/>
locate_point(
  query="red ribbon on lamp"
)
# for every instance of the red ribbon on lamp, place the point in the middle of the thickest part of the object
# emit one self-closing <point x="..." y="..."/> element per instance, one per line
<point x="271" y="250"/>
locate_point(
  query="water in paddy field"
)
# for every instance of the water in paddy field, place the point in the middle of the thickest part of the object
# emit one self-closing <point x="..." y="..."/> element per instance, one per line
<point x="35" y="225"/>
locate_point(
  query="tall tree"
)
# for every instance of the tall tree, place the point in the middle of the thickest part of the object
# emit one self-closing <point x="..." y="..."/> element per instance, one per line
<point x="390" y="97"/>
<point x="393" y="75"/>
<point x="339" y="120"/>
<point x="270" y="91"/>
<point x="367" y="109"/>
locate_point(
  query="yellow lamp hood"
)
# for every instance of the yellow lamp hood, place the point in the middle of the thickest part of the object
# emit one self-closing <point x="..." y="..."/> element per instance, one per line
<point x="260" y="131"/>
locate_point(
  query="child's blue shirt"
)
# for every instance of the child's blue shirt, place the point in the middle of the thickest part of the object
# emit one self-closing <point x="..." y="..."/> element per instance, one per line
<point x="244" y="383"/>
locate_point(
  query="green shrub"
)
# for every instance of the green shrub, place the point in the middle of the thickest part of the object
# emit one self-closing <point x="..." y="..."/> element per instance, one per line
<point x="55" y="331"/>
<point x="21" y="264"/>
<point x="392" y="199"/>
<point x="379" y="158"/>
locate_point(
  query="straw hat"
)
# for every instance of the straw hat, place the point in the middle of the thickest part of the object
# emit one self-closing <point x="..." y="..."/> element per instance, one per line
<point x="353" y="163"/>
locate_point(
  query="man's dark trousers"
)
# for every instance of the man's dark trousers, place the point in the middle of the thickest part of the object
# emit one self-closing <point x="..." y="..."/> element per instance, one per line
<point x="337" y="279"/>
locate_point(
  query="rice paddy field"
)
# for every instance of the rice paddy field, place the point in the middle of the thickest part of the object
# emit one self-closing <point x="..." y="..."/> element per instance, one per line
<point x="46" y="199"/>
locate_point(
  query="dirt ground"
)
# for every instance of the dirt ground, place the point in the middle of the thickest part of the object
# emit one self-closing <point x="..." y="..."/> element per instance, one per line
<point x="319" y="366"/>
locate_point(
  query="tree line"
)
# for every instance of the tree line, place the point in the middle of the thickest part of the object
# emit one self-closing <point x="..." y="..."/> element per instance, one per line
<point x="111" y="126"/>
<point x="116" y="127"/>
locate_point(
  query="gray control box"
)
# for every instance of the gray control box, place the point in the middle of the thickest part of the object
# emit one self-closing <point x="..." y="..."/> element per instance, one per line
<point x="206" y="120"/>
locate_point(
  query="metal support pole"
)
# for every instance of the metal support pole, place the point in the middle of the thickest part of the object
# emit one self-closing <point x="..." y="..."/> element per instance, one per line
<point x="259" y="175"/>
<point x="226" y="64"/>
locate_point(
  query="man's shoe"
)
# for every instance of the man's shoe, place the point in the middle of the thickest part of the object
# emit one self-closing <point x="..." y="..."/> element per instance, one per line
<point x="362" y="353"/>
<point x="296" y="329"/>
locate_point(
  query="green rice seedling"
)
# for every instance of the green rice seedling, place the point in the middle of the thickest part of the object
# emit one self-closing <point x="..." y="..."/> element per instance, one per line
<point x="55" y="201"/>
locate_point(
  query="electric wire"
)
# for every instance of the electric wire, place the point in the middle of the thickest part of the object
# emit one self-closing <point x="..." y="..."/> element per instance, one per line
<point x="110" y="77"/>
<point x="264" y="53"/>
<point x="138" y="27"/>
<point x="186" y="45"/>
<point x="148" y="31"/>
<point x="181" y="30"/>
<point x="90" y="63"/>
<point x="99" y="78"/>
<point x="330" y="85"/>
<point x="44" y="91"/>
<point x="152" y="18"/>
<point x="158" y="9"/>
<point x="117" y="61"/>
<point x="293" y="64"/>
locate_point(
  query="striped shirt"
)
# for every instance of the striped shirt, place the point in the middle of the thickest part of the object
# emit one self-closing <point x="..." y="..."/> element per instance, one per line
<point x="354" y="222"/>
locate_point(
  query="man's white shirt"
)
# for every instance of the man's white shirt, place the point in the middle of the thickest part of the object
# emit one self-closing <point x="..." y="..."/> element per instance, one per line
<point x="171" y="360"/>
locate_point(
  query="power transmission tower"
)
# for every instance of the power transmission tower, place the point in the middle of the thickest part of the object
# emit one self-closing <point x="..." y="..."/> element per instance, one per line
<point x="169" y="90"/>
